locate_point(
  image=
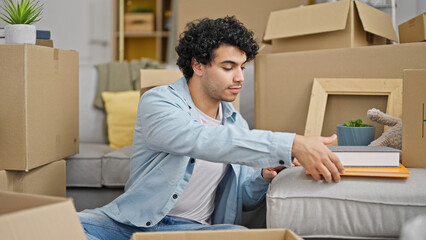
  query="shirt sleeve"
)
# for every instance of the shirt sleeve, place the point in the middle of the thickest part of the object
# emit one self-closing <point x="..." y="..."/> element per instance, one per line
<point x="168" y="125"/>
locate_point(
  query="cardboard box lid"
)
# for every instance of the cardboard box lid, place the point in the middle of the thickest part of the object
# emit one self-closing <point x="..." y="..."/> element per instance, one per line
<point x="253" y="234"/>
<point x="27" y="216"/>
<point x="326" y="17"/>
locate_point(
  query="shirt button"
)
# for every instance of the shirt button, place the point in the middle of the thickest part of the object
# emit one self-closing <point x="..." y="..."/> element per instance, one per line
<point x="148" y="224"/>
<point x="175" y="196"/>
<point x="281" y="162"/>
<point x="192" y="160"/>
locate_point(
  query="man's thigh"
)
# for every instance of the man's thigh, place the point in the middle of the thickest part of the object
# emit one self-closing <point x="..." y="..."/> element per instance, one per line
<point x="100" y="227"/>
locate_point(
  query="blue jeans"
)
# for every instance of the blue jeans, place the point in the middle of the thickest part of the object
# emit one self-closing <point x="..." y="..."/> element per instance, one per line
<point x="99" y="227"/>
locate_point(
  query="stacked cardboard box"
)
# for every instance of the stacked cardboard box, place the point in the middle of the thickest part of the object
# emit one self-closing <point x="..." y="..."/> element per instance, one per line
<point x="38" y="117"/>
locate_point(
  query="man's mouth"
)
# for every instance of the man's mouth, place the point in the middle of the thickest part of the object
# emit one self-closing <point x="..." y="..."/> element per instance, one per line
<point x="235" y="89"/>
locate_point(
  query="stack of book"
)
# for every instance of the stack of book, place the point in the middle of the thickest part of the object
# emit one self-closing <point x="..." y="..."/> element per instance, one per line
<point x="370" y="161"/>
<point x="43" y="38"/>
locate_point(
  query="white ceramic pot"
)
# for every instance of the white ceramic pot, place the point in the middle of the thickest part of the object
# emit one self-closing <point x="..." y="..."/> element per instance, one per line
<point x="20" y="34"/>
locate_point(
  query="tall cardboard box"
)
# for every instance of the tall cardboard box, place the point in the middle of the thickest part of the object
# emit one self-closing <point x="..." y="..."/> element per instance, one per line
<point x="39" y="105"/>
<point x="252" y="13"/>
<point x="283" y="83"/>
<point x="49" y="179"/>
<point x="254" y="234"/>
<point x="414" y="119"/>
<point x="413" y="30"/>
<point x="28" y="216"/>
<point x="341" y="24"/>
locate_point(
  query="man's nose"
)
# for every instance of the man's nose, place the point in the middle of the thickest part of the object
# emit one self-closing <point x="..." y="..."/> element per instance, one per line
<point x="239" y="76"/>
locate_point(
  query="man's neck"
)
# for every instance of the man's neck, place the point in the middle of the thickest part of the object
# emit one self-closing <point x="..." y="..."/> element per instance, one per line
<point x="205" y="104"/>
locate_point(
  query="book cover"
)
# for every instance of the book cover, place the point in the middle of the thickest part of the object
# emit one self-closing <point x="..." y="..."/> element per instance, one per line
<point x="396" y="172"/>
<point x="43" y="34"/>
<point x="367" y="156"/>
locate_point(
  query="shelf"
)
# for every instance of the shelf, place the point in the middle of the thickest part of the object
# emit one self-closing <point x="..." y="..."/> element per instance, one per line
<point x="135" y="45"/>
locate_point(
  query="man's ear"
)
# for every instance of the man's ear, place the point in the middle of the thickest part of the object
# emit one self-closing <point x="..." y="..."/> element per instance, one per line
<point x="197" y="67"/>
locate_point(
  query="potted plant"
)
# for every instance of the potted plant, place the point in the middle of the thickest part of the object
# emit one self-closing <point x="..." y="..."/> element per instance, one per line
<point x="355" y="133"/>
<point x="20" y="16"/>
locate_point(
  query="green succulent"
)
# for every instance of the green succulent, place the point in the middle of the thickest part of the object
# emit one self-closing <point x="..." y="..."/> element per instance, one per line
<point x="23" y="12"/>
<point x="356" y="123"/>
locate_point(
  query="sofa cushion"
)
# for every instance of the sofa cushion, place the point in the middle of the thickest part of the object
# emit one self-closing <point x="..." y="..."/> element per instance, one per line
<point x="121" y="109"/>
<point x="357" y="207"/>
<point x="85" y="168"/>
<point x="116" y="167"/>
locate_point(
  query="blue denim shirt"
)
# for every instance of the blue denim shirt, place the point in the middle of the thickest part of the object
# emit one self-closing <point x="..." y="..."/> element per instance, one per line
<point x="168" y="136"/>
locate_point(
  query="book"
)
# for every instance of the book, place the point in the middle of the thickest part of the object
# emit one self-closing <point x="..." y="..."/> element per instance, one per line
<point x="401" y="171"/>
<point x="44" y="42"/>
<point x="396" y="172"/>
<point x="42" y="34"/>
<point x="367" y="156"/>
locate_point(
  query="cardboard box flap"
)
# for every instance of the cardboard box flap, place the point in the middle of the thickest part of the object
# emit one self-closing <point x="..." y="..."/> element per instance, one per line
<point x="325" y="17"/>
<point x="251" y="234"/>
<point x="376" y="22"/>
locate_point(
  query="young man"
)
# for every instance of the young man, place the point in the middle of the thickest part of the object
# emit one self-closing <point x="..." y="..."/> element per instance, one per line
<point x="193" y="153"/>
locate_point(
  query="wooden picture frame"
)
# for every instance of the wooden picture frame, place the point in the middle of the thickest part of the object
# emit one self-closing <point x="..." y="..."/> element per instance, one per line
<point x="322" y="87"/>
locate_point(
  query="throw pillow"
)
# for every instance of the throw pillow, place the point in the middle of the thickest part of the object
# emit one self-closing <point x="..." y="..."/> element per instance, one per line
<point x="121" y="110"/>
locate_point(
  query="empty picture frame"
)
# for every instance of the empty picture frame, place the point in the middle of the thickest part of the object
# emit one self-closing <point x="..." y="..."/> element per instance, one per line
<point x="322" y="87"/>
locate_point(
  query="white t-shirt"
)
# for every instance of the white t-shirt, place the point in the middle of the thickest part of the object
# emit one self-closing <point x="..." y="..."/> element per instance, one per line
<point x="197" y="200"/>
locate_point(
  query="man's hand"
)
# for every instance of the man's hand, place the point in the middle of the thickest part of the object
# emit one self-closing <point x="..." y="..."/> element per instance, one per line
<point x="313" y="154"/>
<point x="270" y="173"/>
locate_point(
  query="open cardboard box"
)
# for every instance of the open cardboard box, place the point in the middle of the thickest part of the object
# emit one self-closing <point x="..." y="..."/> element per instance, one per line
<point x="26" y="216"/>
<point x="255" y="234"/>
<point x="340" y="24"/>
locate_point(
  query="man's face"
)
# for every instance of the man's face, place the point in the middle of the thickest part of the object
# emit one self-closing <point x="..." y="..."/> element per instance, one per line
<point x="224" y="77"/>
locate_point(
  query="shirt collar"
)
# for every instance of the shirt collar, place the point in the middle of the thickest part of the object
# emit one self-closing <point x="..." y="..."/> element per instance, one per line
<point x="181" y="86"/>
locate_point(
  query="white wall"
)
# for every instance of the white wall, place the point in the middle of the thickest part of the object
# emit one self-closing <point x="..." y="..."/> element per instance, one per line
<point x="407" y="9"/>
<point x="82" y="25"/>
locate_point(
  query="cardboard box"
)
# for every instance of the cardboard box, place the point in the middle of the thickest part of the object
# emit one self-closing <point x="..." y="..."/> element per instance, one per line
<point x="138" y="22"/>
<point x="413" y="30"/>
<point x="39" y="105"/>
<point x="49" y="179"/>
<point x="252" y="13"/>
<point x="414" y="119"/>
<point x="283" y="83"/>
<point x="255" y="234"/>
<point x="27" y="216"/>
<point x="341" y="24"/>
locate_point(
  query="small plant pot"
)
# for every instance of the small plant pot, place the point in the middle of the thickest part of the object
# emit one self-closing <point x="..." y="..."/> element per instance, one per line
<point x="355" y="136"/>
<point x="20" y="34"/>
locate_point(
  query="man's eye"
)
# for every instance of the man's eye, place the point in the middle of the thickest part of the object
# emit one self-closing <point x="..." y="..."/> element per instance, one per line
<point x="243" y="68"/>
<point x="227" y="69"/>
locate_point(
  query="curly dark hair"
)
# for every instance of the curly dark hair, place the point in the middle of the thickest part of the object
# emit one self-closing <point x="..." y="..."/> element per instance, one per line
<point x="202" y="37"/>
